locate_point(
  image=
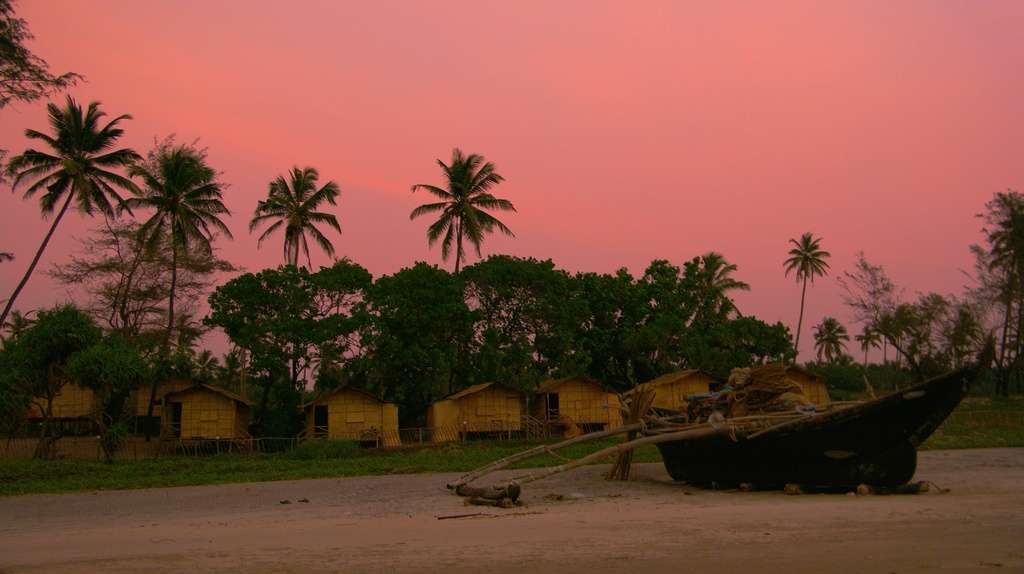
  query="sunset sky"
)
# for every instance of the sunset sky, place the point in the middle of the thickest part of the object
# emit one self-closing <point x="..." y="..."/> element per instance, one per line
<point x="626" y="131"/>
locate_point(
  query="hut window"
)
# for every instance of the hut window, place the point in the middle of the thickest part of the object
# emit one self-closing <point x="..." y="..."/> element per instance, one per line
<point x="320" y="421"/>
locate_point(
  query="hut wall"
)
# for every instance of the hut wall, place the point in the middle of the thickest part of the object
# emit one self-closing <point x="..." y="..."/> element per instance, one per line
<point x="814" y="389"/>
<point x="493" y="409"/>
<point x="443" y="421"/>
<point x="356" y="416"/>
<point x="206" y="414"/>
<point x="73" y="402"/>
<point x="672" y="395"/>
<point x="582" y="401"/>
<point x="143" y="392"/>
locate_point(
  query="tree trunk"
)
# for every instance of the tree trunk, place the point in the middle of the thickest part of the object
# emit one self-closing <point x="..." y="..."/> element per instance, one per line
<point x="800" y="321"/>
<point x="35" y="260"/>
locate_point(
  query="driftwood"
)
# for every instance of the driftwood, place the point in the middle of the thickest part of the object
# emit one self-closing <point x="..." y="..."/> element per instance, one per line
<point x="536" y="451"/>
<point x="510" y="491"/>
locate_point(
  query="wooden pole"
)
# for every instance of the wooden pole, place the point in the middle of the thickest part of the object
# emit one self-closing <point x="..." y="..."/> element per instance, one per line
<point x="536" y="451"/>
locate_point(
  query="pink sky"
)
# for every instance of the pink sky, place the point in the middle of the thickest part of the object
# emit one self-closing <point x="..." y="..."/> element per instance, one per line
<point x="626" y="131"/>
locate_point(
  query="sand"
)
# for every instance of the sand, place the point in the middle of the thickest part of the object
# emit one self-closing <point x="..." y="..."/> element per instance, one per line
<point x="573" y="522"/>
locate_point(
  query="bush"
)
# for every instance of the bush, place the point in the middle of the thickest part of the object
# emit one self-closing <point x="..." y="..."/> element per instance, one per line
<point x="326" y="450"/>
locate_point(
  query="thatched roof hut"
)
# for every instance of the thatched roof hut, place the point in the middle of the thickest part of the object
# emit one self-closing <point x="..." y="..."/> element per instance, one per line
<point x="577" y="399"/>
<point x="488" y="409"/>
<point x="813" y="385"/>
<point x="672" y="389"/>
<point x="205" y="412"/>
<point x="352" y="414"/>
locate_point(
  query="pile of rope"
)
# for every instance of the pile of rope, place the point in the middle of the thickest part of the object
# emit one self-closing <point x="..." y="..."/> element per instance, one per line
<point x="751" y="390"/>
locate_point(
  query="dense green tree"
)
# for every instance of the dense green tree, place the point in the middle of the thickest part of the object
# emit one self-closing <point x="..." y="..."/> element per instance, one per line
<point x="807" y="260"/>
<point x="270" y="314"/>
<point x="418" y="346"/>
<point x="830" y="339"/>
<point x="286" y="319"/>
<point x="37" y="363"/>
<point x="465" y="200"/>
<point x="527" y="320"/>
<point x="79" y="170"/>
<point x="615" y="308"/>
<point x="292" y="204"/>
<point x="113" y="370"/>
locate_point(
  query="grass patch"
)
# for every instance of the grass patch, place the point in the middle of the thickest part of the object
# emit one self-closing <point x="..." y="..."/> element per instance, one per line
<point x="981" y="423"/>
<point x="315" y="459"/>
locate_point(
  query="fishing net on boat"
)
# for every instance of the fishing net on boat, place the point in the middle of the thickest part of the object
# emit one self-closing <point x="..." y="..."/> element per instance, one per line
<point x="751" y="390"/>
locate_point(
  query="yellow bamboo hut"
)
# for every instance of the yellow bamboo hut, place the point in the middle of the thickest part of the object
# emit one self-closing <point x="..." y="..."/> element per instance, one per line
<point x="205" y="412"/>
<point x="814" y="386"/>
<point x="73" y="409"/>
<point x="488" y="410"/>
<point x="352" y="414"/>
<point x="672" y="389"/>
<point x="577" y="401"/>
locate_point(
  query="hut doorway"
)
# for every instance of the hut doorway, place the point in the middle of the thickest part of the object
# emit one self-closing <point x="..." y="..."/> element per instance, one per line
<point x="552" y="406"/>
<point x="320" y="421"/>
<point x="175" y="420"/>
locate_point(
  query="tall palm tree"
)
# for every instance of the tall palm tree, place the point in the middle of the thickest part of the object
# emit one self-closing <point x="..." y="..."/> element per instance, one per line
<point x="293" y="203"/>
<point x="186" y="201"/>
<point x="77" y="171"/>
<point x="716" y="278"/>
<point x="463" y="204"/>
<point x="808" y="260"/>
<point x="828" y="339"/>
<point x="869" y="339"/>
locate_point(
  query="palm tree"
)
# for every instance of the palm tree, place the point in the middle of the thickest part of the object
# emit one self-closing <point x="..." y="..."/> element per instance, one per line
<point x="808" y="260"/>
<point x="293" y="204"/>
<point x="17" y="324"/>
<point x="828" y="339"/>
<point x="463" y="204"/>
<point x="186" y="201"/>
<point x="868" y="338"/>
<point x="78" y="170"/>
<point x="716" y="279"/>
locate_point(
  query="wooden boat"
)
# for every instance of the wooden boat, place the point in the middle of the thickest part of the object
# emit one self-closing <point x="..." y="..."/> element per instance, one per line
<point x="873" y="442"/>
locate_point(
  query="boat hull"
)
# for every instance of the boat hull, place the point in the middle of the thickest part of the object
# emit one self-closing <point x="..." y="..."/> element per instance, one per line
<point x="872" y="443"/>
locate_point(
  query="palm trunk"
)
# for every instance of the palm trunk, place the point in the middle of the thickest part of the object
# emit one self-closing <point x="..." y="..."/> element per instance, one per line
<point x="39" y="255"/>
<point x="800" y="321"/>
<point x="458" y="245"/>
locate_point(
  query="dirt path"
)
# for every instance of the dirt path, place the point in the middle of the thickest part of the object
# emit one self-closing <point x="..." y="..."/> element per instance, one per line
<point x="390" y="524"/>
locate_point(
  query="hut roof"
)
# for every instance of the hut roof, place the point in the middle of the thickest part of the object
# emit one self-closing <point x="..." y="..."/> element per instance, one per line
<point x="477" y="388"/>
<point x="804" y="372"/>
<point x="676" y="377"/>
<point x="552" y="384"/>
<point x="342" y="390"/>
<point x="218" y="390"/>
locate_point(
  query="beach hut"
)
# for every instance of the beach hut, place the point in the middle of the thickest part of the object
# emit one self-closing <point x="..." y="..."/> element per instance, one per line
<point x="352" y="414"/>
<point x="577" y="399"/>
<point x="813" y="385"/>
<point x="672" y="389"/>
<point x="142" y="395"/>
<point x="205" y="412"/>
<point x="73" y="410"/>
<point x="488" y="410"/>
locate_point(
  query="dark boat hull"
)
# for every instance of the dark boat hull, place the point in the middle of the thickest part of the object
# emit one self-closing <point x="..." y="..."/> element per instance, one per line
<point x="871" y="443"/>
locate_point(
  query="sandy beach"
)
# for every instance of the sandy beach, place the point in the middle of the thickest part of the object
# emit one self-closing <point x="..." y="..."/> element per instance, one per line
<point x="573" y="522"/>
